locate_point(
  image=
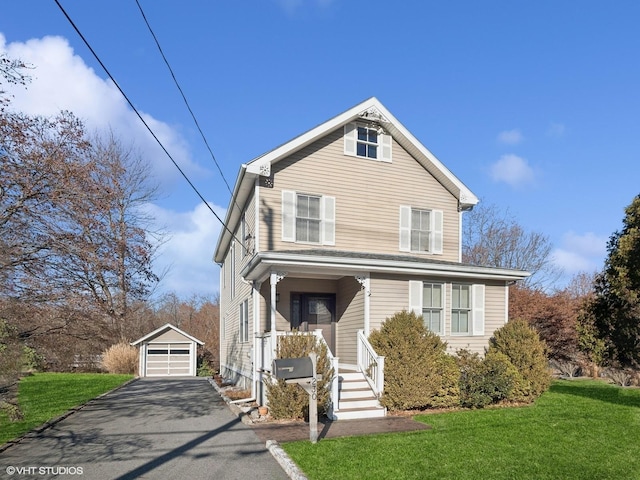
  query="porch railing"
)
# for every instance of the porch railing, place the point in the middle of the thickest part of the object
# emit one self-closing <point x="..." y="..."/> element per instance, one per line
<point x="371" y="364"/>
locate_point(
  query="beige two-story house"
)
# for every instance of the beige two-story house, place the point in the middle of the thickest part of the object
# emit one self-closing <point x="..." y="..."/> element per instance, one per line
<point x="335" y="231"/>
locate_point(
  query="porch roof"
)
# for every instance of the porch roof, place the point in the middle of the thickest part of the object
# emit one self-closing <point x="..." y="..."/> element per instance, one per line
<point x="334" y="263"/>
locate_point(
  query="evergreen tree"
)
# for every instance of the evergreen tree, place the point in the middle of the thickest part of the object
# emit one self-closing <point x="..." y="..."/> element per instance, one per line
<point x="615" y="309"/>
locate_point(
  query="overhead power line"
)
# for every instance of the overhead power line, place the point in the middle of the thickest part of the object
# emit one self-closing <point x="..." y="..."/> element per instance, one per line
<point x="184" y="98"/>
<point x="106" y="70"/>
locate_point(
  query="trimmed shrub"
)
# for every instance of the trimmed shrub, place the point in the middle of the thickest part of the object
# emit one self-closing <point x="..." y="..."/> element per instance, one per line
<point x="522" y="345"/>
<point x="290" y="401"/>
<point x="418" y="372"/>
<point x="485" y="381"/>
<point x="120" y="358"/>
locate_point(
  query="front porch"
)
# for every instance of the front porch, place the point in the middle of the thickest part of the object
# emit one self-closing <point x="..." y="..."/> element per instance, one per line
<point x="330" y="301"/>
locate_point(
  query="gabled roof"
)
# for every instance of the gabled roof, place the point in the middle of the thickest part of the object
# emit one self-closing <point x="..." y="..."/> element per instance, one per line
<point x="369" y="110"/>
<point x="163" y="329"/>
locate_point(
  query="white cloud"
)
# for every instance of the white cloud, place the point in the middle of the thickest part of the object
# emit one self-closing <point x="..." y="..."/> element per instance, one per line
<point x="510" y="137"/>
<point x="513" y="170"/>
<point x="62" y="81"/>
<point x="188" y="254"/>
<point x="556" y="130"/>
<point x="581" y="253"/>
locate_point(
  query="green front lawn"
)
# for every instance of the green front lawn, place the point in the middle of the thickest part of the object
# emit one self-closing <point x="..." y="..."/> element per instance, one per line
<point x="44" y="396"/>
<point x="577" y="430"/>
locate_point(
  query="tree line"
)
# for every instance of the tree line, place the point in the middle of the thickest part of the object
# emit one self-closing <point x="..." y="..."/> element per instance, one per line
<point x="590" y="325"/>
<point x="77" y="245"/>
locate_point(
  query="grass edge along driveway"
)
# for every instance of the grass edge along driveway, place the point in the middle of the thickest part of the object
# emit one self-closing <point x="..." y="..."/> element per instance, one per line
<point x="45" y="396"/>
<point x="579" y="429"/>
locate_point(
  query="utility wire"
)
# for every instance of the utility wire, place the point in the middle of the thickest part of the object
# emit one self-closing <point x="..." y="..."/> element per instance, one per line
<point x="183" y="96"/>
<point x="143" y="121"/>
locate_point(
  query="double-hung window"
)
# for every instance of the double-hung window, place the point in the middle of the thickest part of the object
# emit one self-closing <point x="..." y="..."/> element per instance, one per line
<point x="308" y="218"/>
<point x="420" y="230"/>
<point x="460" y="309"/>
<point x="432" y="309"/>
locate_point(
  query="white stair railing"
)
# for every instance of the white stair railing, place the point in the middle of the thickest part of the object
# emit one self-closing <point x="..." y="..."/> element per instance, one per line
<point x="371" y="364"/>
<point x="334" y="386"/>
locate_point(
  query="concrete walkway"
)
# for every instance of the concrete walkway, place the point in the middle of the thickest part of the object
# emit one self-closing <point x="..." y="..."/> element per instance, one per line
<point x="151" y="429"/>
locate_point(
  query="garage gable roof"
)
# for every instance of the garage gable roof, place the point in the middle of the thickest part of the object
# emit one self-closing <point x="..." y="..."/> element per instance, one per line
<point x="163" y="329"/>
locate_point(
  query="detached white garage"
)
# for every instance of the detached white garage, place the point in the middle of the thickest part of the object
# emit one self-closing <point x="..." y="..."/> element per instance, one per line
<point x="167" y="351"/>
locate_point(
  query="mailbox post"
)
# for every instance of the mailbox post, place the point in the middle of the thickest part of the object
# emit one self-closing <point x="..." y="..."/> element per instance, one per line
<point x="303" y="372"/>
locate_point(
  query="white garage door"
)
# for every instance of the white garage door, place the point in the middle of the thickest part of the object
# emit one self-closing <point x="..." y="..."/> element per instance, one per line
<point x="168" y="359"/>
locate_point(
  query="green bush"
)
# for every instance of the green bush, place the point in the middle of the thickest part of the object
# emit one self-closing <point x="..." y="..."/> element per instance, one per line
<point x="205" y="369"/>
<point x="486" y="381"/>
<point x="290" y="401"/>
<point x="522" y="345"/>
<point x="418" y="372"/>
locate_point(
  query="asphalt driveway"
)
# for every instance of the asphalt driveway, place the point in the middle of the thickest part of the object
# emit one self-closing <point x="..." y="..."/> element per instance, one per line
<point x="152" y="429"/>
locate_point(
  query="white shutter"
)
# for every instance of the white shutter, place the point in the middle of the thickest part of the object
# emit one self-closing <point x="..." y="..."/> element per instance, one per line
<point x="415" y="296"/>
<point x="288" y="216"/>
<point x="477" y="309"/>
<point x="405" y="228"/>
<point x="436" y="229"/>
<point x="328" y="220"/>
<point x="350" y="139"/>
<point x="385" y="147"/>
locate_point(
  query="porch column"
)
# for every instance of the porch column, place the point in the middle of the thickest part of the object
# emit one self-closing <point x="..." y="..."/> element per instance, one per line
<point x="274" y="279"/>
<point x="365" y="281"/>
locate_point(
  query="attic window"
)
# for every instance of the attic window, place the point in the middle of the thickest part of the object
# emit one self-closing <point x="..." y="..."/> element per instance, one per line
<point x="367" y="140"/>
<point x="367" y="145"/>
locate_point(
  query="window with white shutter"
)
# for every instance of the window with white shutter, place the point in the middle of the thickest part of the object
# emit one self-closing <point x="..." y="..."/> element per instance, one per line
<point x="308" y="218"/>
<point x="367" y="141"/>
<point x="420" y="230"/>
<point x="460" y="309"/>
<point x="427" y="299"/>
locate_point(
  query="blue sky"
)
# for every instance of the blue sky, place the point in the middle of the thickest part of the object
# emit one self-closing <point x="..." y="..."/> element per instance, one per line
<point x="535" y="107"/>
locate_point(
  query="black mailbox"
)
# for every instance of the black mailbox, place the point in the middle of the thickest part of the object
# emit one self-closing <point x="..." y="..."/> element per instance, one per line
<point x="287" y="368"/>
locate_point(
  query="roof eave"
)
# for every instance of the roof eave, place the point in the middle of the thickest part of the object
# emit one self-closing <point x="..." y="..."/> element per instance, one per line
<point x="165" y="327"/>
<point x="263" y="262"/>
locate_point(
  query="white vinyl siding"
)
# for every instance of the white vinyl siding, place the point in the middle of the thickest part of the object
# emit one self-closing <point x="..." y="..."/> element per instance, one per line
<point x="308" y="218"/>
<point x="367" y="141"/>
<point x="420" y="230"/>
